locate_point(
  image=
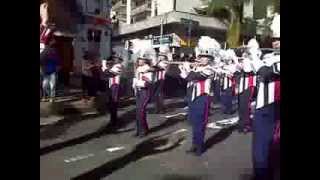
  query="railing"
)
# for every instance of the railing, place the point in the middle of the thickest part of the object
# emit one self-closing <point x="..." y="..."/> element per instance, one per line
<point x="119" y="4"/>
<point x="140" y="9"/>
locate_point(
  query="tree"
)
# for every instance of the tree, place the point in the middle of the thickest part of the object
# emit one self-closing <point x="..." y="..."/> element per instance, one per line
<point x="232" y="11"/>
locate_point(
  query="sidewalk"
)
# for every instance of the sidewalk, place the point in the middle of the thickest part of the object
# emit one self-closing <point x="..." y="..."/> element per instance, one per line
<point x="72" y="105"/>
<point x="64" y="106"/>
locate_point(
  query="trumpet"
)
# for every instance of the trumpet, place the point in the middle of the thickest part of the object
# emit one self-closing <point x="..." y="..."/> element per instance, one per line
<point x="183" y="62"/>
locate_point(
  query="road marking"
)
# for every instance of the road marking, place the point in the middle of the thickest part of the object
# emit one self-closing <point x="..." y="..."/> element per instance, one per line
<point x="179" y="131"/>
<point x="113" y="149"/>
<point x="78" y="158"/>
<point x="174" y="115"/>
<point x="213" y="126"/>
<point x="233" y="120"/>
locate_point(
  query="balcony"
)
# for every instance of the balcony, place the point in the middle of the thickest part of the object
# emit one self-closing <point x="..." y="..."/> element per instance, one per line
<point x="172" y="17"/>
<point x="118" y="5"/>
<point x="140" y="9"/>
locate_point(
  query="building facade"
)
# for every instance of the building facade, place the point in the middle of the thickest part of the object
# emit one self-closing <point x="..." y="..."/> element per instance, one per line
<point x="174" y="19"/>
<point x="93" y="30"/>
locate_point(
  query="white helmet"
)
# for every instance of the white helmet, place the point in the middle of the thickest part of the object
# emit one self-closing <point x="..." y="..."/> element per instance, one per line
<point x="207" y="47"/>
<point x="164" y="50"/>
<point x="253" y="44"/>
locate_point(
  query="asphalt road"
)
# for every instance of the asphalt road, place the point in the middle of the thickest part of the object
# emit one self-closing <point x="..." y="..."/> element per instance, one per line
<point x="113" y="154"/>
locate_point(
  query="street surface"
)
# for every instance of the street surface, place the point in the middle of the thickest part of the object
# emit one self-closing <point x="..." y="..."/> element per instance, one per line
<point x="85" y="148"/>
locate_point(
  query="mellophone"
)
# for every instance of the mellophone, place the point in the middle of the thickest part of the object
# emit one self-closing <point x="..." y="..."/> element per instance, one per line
<point x="218" y="70"/>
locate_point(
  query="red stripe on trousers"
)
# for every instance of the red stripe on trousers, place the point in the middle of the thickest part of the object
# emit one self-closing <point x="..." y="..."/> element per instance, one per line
<point x="202" y="87"/>
<point x="277" y="91"/>
<point x="233" y="80"/>
<point x="250" y="83"/>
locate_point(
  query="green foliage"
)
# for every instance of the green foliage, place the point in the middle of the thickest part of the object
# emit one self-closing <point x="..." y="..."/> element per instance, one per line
<point x="233" y="10"/>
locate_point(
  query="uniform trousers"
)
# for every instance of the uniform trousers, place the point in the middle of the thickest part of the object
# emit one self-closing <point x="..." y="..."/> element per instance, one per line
<point x="142" y="99"/>
<point x="198" y="117"/>
<point x="216" y="90"/>
<point x="264" y="126"/>
<point x="158" y="95"/>
<point x="226" y="99"/>
<point x="113" y="102"/>
<point x="244" y="106"/>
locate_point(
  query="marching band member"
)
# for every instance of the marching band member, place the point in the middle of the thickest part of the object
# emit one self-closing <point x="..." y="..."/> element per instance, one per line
<point x="227" y="82"/>
<point x="199" y="83"/>
<point x="246" y="86"/>
<point x="142" y="84"/>
<point x="215" y="81"/>
<point x="267" y="112"/>
<point x="113" y="73"/>
<point x="159" y="76"/>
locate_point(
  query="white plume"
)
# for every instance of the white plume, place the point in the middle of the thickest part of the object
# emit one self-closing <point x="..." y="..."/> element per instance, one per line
<point x="207" y="46"/>
<point x="275" y="26"/>
<point x="143" y="49"/>
<point x="253" y="43"/>
<point x="164" y="49"/>
<point x="205" y="42"/>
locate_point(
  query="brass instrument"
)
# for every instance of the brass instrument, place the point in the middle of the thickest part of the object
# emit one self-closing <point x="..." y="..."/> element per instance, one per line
<point x="192" y="64"/>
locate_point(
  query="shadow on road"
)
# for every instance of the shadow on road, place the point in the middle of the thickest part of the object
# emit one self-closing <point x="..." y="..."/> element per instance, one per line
<point x="55" y="130"/>
<point x="218" y="137"/>
<point x="182" y="177"/>
<point x="169" y="122"/>
<point x="146" y="148"/>
<point x="109" y="129"/>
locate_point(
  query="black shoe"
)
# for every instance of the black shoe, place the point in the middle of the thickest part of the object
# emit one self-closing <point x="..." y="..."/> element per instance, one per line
<point x="135" y="134"/>
<point x="142" y="135"/>
<point x="192" y="150"/>
<point x="195" y="151"/>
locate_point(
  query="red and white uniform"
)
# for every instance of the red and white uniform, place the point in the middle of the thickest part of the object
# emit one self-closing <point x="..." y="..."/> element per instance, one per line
<point x="142" y="77"/>
<point x="269" y="91"/>
<point x="247" y="80"/>
<point x="117" y="70"/>
<point x="160" y="74"/>
<point x="202" y="87"/>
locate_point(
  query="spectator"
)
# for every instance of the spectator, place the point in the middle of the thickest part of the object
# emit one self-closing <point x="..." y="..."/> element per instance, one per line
<point x="49" y="75"/>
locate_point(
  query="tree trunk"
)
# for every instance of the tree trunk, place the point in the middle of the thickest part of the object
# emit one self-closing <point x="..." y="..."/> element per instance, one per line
<point x="234" y="31"/>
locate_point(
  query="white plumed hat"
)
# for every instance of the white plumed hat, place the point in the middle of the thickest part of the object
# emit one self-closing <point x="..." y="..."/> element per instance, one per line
<point x="275" y="26"/>
<point x="143" y="49"/>
<point x="253" y="43"/>
<point x="164" y="50"/>
<point x="207" y="47"/>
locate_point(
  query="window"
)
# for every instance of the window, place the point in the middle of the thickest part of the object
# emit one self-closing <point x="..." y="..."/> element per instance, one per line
<point x="90" y="35"/>
<point x="97" y="36"/>
<point x="97" y="11"/>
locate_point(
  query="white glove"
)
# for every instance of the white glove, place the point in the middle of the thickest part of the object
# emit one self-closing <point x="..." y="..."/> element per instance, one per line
<point x="104" y="65"/>
<point x="186" y="66"/>
<point x="134" y="83"/>
<point x="140" y="83"/>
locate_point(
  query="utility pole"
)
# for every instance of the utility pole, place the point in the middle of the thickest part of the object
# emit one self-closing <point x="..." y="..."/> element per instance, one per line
<point x="161" y="28"/>
<point x="189" y="30"/>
